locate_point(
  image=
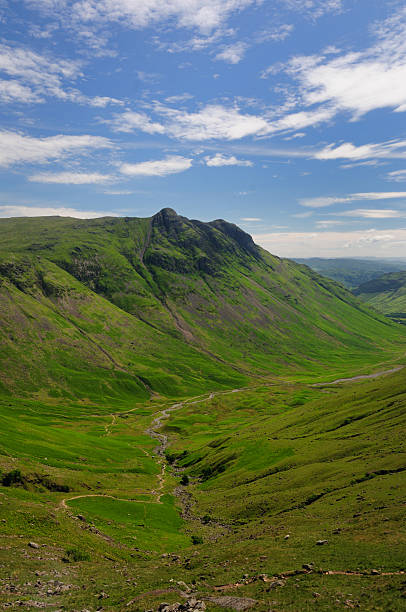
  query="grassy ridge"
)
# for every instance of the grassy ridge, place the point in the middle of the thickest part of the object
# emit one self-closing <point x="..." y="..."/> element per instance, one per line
<point x="111" y="310"/>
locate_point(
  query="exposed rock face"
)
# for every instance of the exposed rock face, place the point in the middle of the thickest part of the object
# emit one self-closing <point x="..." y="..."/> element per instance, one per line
<point x="243" y="239"/>
<point x="194" y="245"/>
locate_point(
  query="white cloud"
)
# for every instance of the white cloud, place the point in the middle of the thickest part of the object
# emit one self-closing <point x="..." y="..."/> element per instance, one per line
<point x="35" y="68"/>
<point x="363" y="81"/>
<point x="17" y="148"/>
<point x="163" y="167"/>
<point x="221" y="160"/>
<point x="327" y="223"/>
<point x="294" y="136"/>
<point x="366" y="243"/>
<point x="392" y="149"/>
<point x="251" y="219"/>
<point x="321" y="202"/>
<point x="48" y="211"/>
<point x="205" y="15"/>
<point x="70" y="178"/>
<point x="98" y="101"/>
<point x="35" y="76"/>
<point x="42" y="73"/>
<point x="211" y="122"/>
<point x="215" y="121"/>
<point x="130" y="121"/>
<point x="302" y="119"/>
<point x="13" y="91"/>
<point x="233" y="54"/>
<point x="196" y="43"/>
<point x="397" y="175"/>
<point x="355" y="82"/>
<point x="179" y="98"/>
<point x="367" y="213"/>
<point x="314" y="8"/>
<point x="275" y="34"/>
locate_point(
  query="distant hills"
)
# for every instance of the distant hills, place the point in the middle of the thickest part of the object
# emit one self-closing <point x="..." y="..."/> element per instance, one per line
<point x="353" y="272"/>
<point x="117" y="308"/>
<point x="387" y="294"/>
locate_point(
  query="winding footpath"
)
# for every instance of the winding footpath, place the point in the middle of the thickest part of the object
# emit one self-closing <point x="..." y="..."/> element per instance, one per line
<point x="361" y="377"/>
<point x="163" y="440"/>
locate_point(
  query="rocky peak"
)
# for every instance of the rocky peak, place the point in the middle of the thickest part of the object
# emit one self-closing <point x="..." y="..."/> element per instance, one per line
<point x="231" y="230"/>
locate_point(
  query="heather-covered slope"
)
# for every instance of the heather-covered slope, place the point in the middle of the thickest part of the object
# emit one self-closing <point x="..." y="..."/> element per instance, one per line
<point x="159" y="304"/>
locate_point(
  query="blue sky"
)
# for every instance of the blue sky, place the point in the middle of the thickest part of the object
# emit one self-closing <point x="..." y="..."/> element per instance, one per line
<point x="286" y="117"/>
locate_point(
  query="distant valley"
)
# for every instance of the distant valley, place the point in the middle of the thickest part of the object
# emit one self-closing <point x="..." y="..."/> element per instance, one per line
<point x="353" y="272"/>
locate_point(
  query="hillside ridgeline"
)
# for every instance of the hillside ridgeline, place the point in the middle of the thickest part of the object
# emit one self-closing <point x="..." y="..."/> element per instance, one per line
<point x="117" y="308"/>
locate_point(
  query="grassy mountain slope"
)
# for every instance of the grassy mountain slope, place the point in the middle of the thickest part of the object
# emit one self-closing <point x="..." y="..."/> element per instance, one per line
<point x="311" y="463"/>
<point x="115" y="308"/>
<point x="101" y="323"/>
<point x="387" y="294"/>
<point x="62" y="341"/>
<point x="352" y="272"/>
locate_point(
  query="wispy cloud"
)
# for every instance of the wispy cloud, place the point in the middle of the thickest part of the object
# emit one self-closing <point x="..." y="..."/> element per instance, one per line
<point x="71" y="178"/>
<point x="314" y="8"/>
<point x="323" y="201"/>
<point x="213" y="121"/>
<point x="50" y="211"/>
<point x="327" y="223"/>
<point x="130" y="121"/>
<point x="398" y="176"/>
<point x="354" y="82"/>
<point x="275" y="33"/>
<point x="18" y="148"/>
<point x="367" y="213"/>
<point x="163" y="167"/>
<point x="222" y="160"/>
<point x="13" y="91"/>
<point x="205" y="15"/>
<point x="233" y="54"/>
<point x="33" y="77"/>
<point x="392" y="149"/>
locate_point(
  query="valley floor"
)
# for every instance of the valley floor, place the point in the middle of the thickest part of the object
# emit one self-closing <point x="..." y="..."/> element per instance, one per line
<point x="286" y="496"/>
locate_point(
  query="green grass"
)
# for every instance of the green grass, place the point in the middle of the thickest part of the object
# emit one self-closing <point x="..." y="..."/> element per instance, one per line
<point x="112" y="310"/>
<point x="311" y="462"/>
<point x="144" y="526"/>
<point x="106" y="322"/>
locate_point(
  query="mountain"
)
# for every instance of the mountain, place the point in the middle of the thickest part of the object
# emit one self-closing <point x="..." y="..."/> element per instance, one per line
<point x="387" y="294"/>
<point x="353" y="272"/>
<point x="162" y="437"/>
<point x="115" y="308"/>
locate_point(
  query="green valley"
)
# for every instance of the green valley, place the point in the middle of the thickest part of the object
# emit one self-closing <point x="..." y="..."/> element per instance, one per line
<point x="175" y="426"/>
